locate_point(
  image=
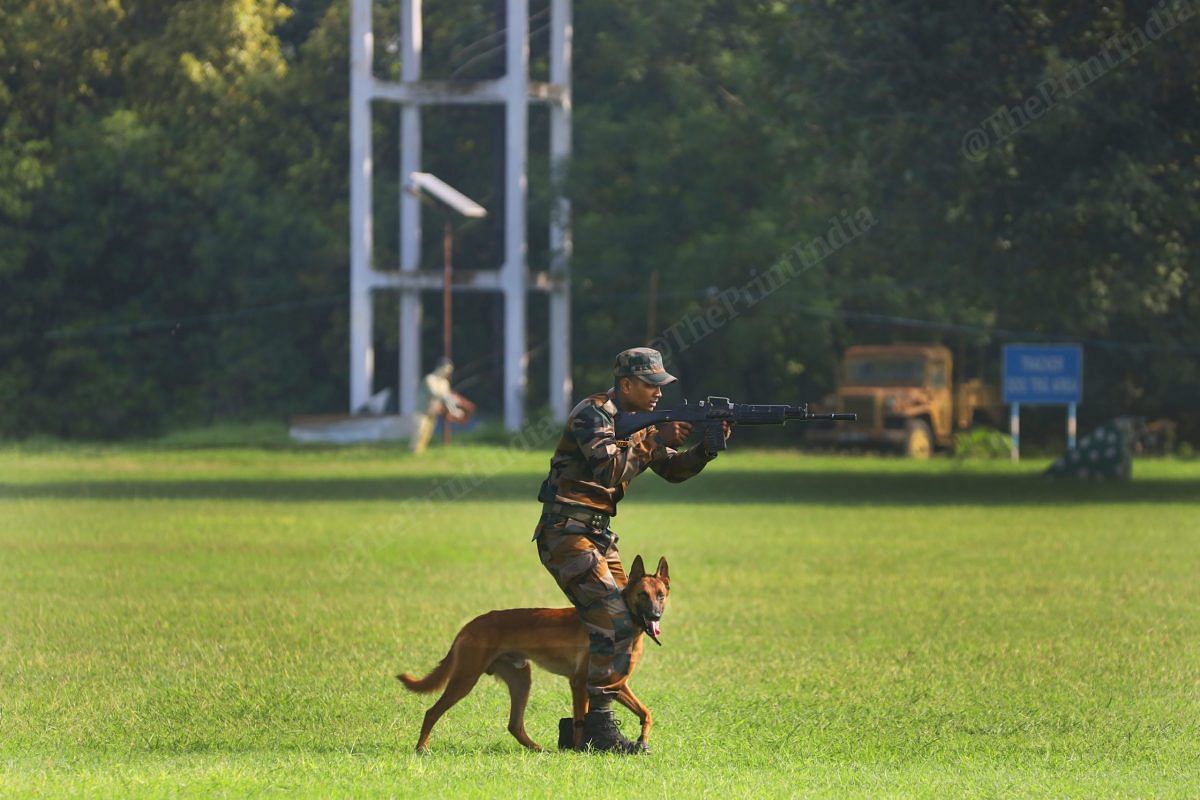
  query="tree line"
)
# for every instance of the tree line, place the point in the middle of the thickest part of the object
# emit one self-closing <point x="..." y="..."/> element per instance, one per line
<point x="174" y="197"/>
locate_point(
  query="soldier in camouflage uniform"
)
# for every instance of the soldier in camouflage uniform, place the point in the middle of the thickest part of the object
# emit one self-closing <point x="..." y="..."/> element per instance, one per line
<point x="589" y="473"/>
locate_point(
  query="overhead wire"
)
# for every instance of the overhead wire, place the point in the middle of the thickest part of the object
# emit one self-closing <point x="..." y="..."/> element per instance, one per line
<point x="142" y="326"/>
<point x="462" y="53"/>
<point x="253" y="312"/>
<point x="498" y="48"/>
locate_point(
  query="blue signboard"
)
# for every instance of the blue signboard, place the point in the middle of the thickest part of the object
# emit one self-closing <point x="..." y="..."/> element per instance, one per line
<point x="1039" y="374"/>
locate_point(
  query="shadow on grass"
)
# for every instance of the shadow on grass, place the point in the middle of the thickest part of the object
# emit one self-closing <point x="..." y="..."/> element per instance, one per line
<point x="805" y="488"/>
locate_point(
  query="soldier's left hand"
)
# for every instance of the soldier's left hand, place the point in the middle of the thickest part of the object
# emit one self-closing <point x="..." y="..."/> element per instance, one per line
<point x="727" y="428"/>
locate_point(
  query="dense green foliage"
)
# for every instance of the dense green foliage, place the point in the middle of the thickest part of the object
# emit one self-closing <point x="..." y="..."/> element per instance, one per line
<point x="227" y="622"/>
<point x="173" y="196"/>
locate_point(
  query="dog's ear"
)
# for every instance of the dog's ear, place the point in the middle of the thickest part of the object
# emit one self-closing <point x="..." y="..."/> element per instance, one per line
<point x="638" y="570"/>
<point x="661" y="573"/>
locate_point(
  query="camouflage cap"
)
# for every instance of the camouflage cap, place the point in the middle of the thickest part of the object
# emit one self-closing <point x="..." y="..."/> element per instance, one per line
<point x="642" y="362"/>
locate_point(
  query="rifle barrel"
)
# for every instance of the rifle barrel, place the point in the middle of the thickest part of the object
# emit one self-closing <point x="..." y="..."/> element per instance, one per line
<point x="739" y="414"/>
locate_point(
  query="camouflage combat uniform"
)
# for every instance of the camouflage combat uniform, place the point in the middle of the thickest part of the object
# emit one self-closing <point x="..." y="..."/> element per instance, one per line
<point x="589" y="473"/>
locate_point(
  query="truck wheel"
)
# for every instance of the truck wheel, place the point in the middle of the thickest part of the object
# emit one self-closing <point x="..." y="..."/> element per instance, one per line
<point x="918" y="443"/>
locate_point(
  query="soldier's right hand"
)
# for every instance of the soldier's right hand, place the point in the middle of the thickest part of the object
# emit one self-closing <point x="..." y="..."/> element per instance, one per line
<point x="673" y="434"/>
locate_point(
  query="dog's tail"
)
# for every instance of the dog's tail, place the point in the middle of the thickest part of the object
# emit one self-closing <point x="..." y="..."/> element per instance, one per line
<point x="434" y="680"/>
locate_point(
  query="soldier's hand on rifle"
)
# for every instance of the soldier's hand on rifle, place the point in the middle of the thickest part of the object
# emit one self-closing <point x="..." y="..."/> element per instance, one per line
<point x="673" y="434"/>
<point x="726" y="431"/>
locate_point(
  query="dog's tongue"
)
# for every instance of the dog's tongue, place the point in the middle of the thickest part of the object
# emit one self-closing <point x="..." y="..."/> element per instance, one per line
<point x="654" y="629"/>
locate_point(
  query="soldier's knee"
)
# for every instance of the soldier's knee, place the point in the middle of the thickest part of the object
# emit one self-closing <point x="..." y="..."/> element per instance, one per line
<point x="622" y="621"/>
<point x="601" y="644"/>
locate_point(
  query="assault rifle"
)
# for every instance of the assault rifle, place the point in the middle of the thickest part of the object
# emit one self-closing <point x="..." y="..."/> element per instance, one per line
<point x="709" y="414"/>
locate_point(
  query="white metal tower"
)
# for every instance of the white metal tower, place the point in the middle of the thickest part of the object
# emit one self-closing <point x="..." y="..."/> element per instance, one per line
<point x="515" y="92"/>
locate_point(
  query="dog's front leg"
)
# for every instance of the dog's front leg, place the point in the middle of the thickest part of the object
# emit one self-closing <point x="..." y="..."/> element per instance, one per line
<point x="628" y="699"/>
<point x="579" y="708"/>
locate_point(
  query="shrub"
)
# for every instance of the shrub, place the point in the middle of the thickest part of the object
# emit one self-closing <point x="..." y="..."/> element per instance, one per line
<point x="983" y="443"/>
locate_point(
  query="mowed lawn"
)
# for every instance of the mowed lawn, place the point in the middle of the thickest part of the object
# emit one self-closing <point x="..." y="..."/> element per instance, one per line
<point x="227" y="622"/>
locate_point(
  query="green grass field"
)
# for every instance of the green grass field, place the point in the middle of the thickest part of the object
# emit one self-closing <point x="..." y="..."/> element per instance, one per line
<point x="212" y="621"/>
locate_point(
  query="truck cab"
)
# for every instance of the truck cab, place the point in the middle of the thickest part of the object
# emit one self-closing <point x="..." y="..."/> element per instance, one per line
<point x="906" y="398"/>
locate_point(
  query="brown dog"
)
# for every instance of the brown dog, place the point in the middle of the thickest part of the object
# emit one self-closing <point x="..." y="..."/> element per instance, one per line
<point x="502" y="643"/>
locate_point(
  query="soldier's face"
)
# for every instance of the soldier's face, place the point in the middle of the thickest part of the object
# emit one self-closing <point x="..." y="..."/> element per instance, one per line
<point x="637" y="395"/>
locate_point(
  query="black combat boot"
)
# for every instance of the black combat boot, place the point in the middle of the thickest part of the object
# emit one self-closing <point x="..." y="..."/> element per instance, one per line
<point x="566" y="734"/>
<point x="600" y="733"/>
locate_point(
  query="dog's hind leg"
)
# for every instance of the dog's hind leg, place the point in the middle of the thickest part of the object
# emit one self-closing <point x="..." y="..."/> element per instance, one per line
<point x="518" y="680"/>
<point x="465" y="676"/>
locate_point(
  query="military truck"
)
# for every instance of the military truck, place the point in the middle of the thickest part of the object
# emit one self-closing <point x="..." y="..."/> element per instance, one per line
<point x="906" y="399"/>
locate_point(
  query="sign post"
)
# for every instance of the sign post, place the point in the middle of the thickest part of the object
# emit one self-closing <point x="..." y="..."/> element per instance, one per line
<point x="1071" y="426"/>
<point x="1014" y="430"/>
<point x="1042" y="374"/>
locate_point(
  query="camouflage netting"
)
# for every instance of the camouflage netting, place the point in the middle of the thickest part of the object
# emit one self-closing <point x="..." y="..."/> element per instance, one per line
<point x="1106" y="452"/>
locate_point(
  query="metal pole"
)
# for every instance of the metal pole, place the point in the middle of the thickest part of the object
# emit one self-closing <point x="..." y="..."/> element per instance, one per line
<point x="1014" y="428"/>
<point x="561" y="32"/>
<point x="447" y="311"/>
<point x="447" y="273"/>
<point x="1071" y="420"/>
<point x="410" y="209"/>
<point x="362" y="354"/>
<point x="515" y="142"/>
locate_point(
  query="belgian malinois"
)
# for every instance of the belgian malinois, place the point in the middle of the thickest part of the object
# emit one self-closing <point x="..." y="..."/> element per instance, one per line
<point x="502" y="643"/>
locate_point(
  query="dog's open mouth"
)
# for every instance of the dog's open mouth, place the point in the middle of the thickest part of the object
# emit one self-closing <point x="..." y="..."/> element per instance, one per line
<point x="652" y="629"/>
